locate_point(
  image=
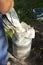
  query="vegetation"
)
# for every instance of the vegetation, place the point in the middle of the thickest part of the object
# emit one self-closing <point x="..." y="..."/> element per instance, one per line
<point x="24" y="9"/>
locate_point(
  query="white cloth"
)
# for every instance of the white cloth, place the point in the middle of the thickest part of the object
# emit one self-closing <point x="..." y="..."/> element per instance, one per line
<point x="13" y="18"/>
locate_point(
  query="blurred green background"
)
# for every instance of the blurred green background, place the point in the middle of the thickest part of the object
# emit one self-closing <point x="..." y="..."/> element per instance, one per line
<point x="24" y="9"/>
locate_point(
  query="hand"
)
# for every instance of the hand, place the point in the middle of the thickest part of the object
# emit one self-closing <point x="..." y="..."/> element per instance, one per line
<point x="6" y="5"/>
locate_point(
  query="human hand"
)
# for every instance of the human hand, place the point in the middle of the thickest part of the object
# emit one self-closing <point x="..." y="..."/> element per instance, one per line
<point x="6" y="5"/>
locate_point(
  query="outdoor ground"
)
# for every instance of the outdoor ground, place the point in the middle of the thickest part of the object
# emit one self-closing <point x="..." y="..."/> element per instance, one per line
<point x="36" y="55"/>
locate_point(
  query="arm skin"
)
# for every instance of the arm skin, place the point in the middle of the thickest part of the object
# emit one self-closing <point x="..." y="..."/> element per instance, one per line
<point x="6" y="5"/>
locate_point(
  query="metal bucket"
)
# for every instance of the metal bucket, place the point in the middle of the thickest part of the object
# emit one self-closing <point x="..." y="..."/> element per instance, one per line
<point x="22" y="41"/>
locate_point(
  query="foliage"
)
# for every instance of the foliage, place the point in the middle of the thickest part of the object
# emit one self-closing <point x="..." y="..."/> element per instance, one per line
<point x="9" y="36"/>
<point x="24" y="9"/>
